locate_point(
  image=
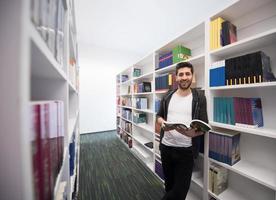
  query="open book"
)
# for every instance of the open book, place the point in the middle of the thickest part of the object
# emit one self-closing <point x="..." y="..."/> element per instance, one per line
<point x="196" y="124"/>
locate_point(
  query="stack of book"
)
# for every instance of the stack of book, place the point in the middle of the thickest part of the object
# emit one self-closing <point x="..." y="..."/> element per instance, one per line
<point x="47" y="141"/>
<point x="165" y="60"/>
<point x="126" y="101"/>
<point x="136" y="72"/>
<point x="127" y="126"/>
<point x="181" y="53"/>
<point x="165" y="81"/>
<point x="124" y="78"/>
<point x="224" y="146"/>
<point x="250" y="68"/>
<point x="126" y="113"/>
<point x="139" y="118"/>
<point x="157" y="104"/>
<point x="72" y="155"/>
<point x="142" y="87"/>
<point x="141" y="103"/>
<point x="222" y="33"/>
<point x="218" y="179"/>
<point x="49" y="19"/>
<point x="158" y="168"/>
<point x="238" y="111"/>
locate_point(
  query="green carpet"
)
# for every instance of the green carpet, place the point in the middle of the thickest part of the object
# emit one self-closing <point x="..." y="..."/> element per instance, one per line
<point x="109" y="171"/>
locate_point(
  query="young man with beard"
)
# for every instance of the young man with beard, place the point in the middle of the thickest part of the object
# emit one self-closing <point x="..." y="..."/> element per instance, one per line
<point x="179" y="147"/>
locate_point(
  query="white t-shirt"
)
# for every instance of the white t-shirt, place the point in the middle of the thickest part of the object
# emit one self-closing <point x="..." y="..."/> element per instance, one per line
<point x="179" y="110"/>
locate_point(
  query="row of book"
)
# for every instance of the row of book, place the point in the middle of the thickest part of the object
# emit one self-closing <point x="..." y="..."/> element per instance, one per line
<point x="139" y="117"/>
<point x="48" y="16"/>
<point x="127" y="126"/>
<point x="222" y="33"/>
<point x="47" y="141"/>
<point x="249" y="68"/>
<point x="158" y="168"/>
<point x="238" y="111"/>
<point x="224" y="146"/>
<point x="74" y="73"/>
<point x="141" y="102"/>
<point x="165" y="81"/>
<point x="137" y="72"/>
<point x="218" y="178"/>
<point x="178" y="53"/>
<point x="157" y="104"/>
<point x="156" y="144"/>
<point x="126" y="113"/>
<point x="142" y="87"/>
<point x="126" y="138"/>
<point x="72" y="154"/>
<point x="125" y="78"/>
<point x="126" y="101"/>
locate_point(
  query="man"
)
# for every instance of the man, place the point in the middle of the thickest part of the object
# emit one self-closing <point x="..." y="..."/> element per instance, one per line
<point x="179" y="147"/>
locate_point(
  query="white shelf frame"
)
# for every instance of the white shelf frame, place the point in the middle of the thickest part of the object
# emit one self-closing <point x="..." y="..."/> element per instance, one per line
<point x="237" y="12"/>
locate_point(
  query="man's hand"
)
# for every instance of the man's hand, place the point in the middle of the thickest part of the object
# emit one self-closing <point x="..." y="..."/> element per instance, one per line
<point x="165" y="128"/>
<point x="189" y="132"/>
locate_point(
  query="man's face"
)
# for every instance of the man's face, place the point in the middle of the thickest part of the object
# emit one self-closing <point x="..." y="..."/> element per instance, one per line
<point x="184" y="78"/>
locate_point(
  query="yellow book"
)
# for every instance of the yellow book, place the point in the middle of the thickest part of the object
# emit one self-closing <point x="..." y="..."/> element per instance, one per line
<point x="170" y="79"/>
<point x="211" y="35"/>
<point x="215" y="33"/>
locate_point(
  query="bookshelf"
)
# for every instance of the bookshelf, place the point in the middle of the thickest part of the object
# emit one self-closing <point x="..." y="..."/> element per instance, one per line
<point x="254" y="176"/>
<point x="37" y="66"/>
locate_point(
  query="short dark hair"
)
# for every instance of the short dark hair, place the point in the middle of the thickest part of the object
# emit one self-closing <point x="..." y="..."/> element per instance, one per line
<point x="182" y="65"/>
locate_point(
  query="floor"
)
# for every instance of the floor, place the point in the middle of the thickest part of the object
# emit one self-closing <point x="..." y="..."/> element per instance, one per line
<point x="109" y="171"/>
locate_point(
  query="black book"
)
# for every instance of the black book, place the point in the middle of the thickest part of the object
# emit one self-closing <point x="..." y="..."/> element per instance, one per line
<point x="149" y="145"/>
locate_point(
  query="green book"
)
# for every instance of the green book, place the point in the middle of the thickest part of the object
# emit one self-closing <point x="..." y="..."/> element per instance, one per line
<point x="181" y="53"/>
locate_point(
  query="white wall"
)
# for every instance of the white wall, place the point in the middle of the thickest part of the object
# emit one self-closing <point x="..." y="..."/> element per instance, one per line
<point x="98" y="87"/>
<point x="99" y="65"/>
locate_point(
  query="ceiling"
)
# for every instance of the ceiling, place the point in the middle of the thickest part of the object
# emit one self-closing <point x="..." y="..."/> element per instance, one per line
<point x="138" y="26"/>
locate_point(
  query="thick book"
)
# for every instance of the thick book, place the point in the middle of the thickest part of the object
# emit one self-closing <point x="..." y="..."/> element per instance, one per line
<point x="196" y="124"/>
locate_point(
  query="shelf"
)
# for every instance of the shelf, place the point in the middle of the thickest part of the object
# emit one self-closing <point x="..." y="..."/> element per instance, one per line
<point x="192" y="196"/>
<point x="150" y="165"/>
<point x="142" y="93"/>
<point x="244" y="86"/>
<point x="43" y="62"/>
<point x="126" y="132"/>
<point x="126" y="119"/>
<point x="194" y="60"/>
<point x="197" y="179"/>
<point x="229" y="194"/>
<point x="144" y="110"/>
<point x="72" y="88"/>
<point x="72" y="45"/>
<point x="126" y="107"/>
<point x="72" y="124"/>
<point x="253" y="171"/>
<point x="144" y="126"/>
<point x="125" y="94"/>
<point x="245" y="45"/>
<point x="142" y="141"/>
<point x="143" y="154"/>
<point x="72" y="179"/>
<point x="128" y="82"/>
<point x="161" y="91"/>
<point x="58" y="180"/>
<point x="144" y="76"/>
<point x="264" y="132"/>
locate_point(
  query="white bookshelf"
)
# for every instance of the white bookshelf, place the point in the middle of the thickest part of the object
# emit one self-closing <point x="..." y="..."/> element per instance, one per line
<point x="256" y="31"/>
<point x="254" y="176"/>
<point x="31" y="72"/>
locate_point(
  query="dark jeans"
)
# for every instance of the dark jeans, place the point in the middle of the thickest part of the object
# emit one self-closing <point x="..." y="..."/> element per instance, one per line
<point x="177" y="163"/>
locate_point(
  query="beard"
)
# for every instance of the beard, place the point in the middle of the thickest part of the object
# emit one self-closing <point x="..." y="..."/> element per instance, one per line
<point x="184" y="85"/>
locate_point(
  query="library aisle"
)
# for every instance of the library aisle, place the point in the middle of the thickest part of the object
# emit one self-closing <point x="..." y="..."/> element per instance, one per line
<point x="108" y="170"/>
